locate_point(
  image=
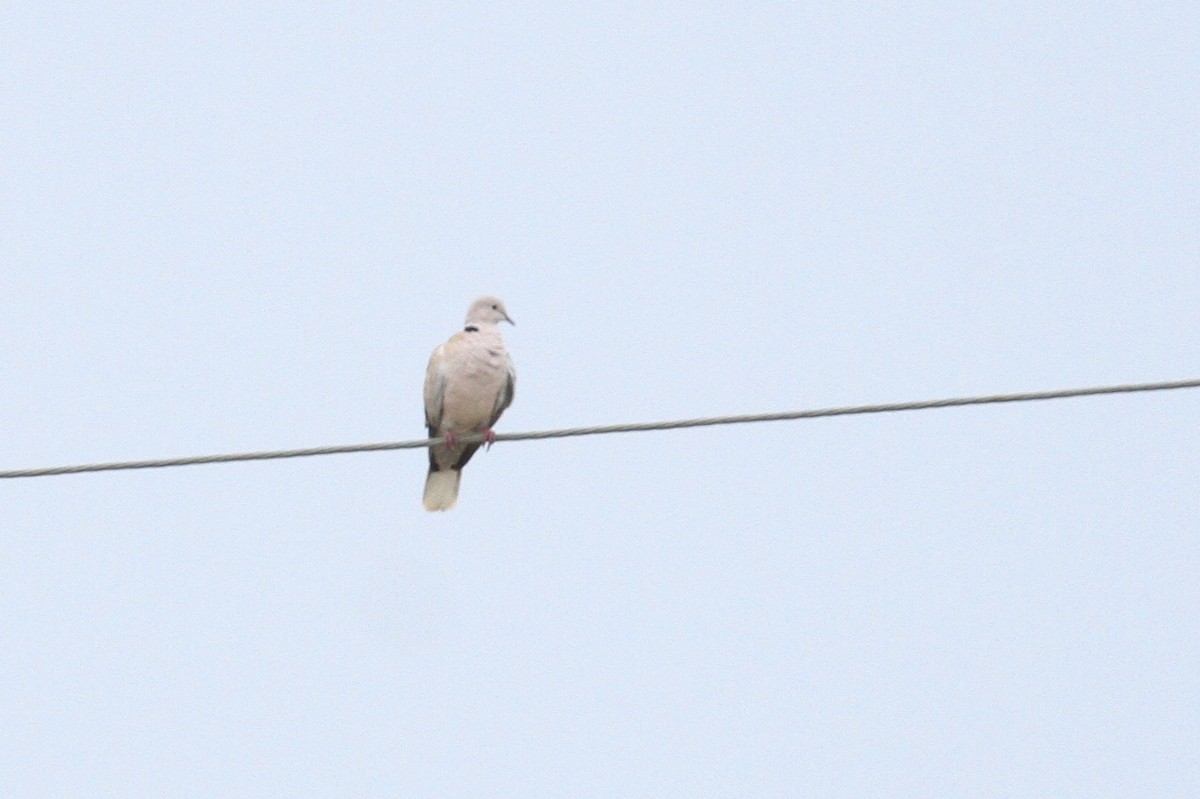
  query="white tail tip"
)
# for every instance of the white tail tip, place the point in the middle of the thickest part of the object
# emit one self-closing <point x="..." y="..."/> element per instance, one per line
<point x="441" y="489"/>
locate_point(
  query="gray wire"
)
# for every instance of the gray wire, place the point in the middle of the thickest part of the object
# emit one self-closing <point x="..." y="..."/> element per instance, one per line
<point x="849" y="410"/>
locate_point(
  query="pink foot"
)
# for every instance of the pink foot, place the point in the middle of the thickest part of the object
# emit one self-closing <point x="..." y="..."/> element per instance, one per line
<point x="489" y="435"/>
<point x="450" y="439"/>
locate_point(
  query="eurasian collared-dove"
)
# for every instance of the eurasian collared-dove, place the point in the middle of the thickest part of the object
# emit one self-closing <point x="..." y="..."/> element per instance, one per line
<point x="469" y="383"/>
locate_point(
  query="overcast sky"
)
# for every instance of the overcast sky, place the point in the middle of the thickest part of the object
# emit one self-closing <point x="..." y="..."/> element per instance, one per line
<point x="229" y="227"/>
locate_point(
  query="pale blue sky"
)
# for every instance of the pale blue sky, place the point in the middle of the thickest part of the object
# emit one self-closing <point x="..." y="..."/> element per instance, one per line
<point x="227" y="228"/>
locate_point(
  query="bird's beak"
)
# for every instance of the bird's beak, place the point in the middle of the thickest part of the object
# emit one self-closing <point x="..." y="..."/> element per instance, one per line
<point x="511" y="322"/>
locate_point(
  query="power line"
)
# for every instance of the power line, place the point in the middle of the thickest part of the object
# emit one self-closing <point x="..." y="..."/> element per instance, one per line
<point x="849" y="410"/>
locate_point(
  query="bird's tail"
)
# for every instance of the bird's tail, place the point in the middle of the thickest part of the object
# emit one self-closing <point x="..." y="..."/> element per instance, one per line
<point x="441" y="489"/>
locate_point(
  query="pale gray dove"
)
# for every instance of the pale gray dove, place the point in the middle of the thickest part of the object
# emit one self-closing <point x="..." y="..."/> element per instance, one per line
<point x="469" y="383"/>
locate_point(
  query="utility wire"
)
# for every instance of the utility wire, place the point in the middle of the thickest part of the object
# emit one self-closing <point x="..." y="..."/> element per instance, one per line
<point x="849" y="410"/>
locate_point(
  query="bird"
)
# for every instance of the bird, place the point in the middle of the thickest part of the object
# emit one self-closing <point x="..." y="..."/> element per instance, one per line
<point x="469" y="382"/>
